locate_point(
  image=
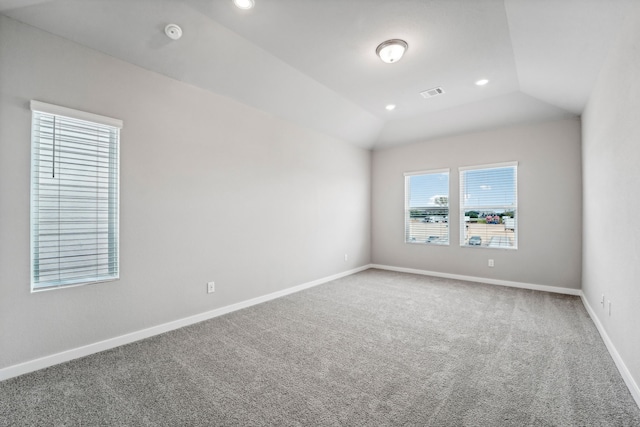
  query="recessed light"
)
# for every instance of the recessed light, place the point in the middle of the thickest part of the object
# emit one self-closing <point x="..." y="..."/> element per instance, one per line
<point x="482" y="82"/>
<point x="390" y="107"/>
<point x="392" y="50"/>
<point x="244" y="4"/>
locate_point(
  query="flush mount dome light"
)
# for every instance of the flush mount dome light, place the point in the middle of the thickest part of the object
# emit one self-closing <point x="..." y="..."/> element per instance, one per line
<point x="244" y="4"/>
<point x="482" y="82"/>
<point x="391" y="50"/>
<point x="390" y="107"/>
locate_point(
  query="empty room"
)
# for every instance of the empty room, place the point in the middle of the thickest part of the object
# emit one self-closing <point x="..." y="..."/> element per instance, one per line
<point x="319" y="213"/>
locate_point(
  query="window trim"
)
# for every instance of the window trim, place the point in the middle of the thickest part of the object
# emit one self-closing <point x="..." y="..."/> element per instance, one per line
<point x="463" y="207"/>
<point x="56" y="110"/>
<point x="68" y="113"/>
<point x="429" y="171"/>
<point x="407" y="208"/>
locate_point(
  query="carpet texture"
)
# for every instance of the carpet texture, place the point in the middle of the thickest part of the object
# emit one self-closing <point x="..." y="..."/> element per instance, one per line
<point x="376" y="348"/>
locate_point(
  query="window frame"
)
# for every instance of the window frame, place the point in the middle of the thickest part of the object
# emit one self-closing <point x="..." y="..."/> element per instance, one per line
<point x="407" y="208"/>
<point x="465" y="208"/>
<point x="41" y="112"/>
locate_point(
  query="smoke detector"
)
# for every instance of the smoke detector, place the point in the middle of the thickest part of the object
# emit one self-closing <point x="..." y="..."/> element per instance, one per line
<point x="430" y="93"/>
<point x="173" y="31"/>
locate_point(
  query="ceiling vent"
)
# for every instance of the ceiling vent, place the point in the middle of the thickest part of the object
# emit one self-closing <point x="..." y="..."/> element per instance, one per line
<point x="430" y="93"/>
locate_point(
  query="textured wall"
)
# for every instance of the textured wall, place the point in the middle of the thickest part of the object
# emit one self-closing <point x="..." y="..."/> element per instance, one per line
<point x="611" y="157"/>
<point x="210" y="190"/>
<point x="549" y="204"/>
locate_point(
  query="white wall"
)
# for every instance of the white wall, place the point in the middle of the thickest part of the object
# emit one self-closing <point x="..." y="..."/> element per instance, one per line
<point x="210" y="190"/>
<point x="549" y="204"/>
<point x="611" y="176"/>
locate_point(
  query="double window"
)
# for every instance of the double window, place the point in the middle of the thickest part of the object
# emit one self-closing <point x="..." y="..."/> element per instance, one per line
<point x="74" y="197"/>
<point x="488" y="206"/>
<point x="427" y="207"/>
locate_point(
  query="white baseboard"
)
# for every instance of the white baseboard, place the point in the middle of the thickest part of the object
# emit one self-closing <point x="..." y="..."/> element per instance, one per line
<point x="545" y="288"/>
<point x="75" y="353"/>
<point x="624" y="371"/>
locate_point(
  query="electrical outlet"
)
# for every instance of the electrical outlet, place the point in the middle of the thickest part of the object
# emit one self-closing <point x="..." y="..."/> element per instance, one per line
<point x="491" y="264"/>
<point x="346" y="257"/>
<point x="211" y="287"/>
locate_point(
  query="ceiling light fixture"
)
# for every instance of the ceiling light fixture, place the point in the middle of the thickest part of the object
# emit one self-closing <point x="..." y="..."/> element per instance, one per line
<point x="390" y="107"/>
<point x="244" y="4"/>
<point x="392" y="50"/>
<point x="482" y="82"/>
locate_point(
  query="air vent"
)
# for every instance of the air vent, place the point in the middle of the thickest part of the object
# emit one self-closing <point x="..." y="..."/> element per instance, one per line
<point x="430" y="93"/>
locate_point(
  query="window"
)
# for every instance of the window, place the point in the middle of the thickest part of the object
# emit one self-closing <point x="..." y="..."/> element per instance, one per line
<point x="489" y="206"/>
<point x="74" y="197"/>
<point x="427" y="207"/>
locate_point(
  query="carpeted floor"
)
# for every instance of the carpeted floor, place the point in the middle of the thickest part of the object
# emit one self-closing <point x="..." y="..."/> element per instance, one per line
<point x="374" y="349"/>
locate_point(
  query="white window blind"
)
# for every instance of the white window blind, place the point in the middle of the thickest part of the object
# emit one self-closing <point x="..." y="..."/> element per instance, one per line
<point x="489" y="206"/>
<point x="74" y="197"/>
<point x="427" y="207"/>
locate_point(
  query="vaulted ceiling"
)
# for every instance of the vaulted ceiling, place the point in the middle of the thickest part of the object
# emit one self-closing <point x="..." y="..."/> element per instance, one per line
<point x="313" y="62"/>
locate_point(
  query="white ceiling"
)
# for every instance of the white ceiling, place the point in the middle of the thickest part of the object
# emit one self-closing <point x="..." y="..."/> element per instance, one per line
<point x="313" y="61"/>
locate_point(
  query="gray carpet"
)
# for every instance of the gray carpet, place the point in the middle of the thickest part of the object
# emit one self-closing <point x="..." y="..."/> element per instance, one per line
<point x="373" y="349"/>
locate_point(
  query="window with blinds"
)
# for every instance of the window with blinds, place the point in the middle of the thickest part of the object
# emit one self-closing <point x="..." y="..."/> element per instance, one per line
<point x="427" y="207"/>
<point x="74" y="197"/>
<point x="489" y="206"/>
